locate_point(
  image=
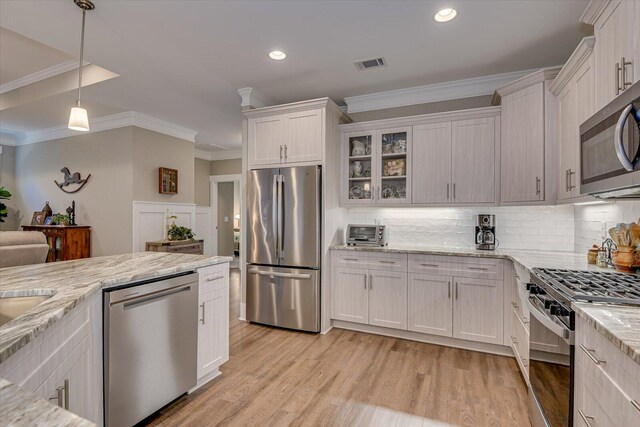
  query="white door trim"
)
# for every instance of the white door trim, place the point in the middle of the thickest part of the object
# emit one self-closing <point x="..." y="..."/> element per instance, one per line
<point x="214" y="180"/>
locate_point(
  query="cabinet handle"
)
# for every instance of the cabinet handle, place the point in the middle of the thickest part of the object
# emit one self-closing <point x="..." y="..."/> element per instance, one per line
<point x="514" y="340"/>
<point x="202" y="306"/>
<point x="591" y="356"/>
<point x="566" y="180"/>
<point x="449" y="286"/>
<point x="525" y="362"/>
<point x="58" y="397"/>
<point x="281" y="152"/>
<point x="537" y="185"/>
<point x="285" y="152"/>
<point x="477" y="268"/>
<point x="429" y="265"/>
<point x="378" y="192"/>
<point x="456" y="290"/>
<point x="365" y="281"/>
<point x="617" y="71"/>
<point x="515" y="275"/>
<point x="585" y="418"/>
<point x="211" y="279"/>
<point x="635" y="404"/>
<point x="447" y="191"/>
<point x="571" y="173"/>
<point x="350" y="259"/>
<point x="625" y="83"/>
<point x="370" y="282"/>
<point x="515" y="305"/>
<point x="66" y="394"/>
<point x="454" y="191"/>
<point x="386" y="262"/>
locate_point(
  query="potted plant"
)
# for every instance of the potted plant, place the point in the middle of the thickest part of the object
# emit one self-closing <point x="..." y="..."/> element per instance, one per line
<point x="177" y="232"/>
<point x="4" y="195"/>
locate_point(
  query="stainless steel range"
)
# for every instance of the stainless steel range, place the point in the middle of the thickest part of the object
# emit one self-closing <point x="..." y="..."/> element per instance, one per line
<point x="551" y="368"/>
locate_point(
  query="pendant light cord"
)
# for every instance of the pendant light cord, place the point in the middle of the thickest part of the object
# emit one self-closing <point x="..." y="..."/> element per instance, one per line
<point x="84" y="12"/>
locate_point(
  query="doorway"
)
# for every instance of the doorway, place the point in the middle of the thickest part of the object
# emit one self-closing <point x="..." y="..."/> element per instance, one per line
<point x="226" y="211"/>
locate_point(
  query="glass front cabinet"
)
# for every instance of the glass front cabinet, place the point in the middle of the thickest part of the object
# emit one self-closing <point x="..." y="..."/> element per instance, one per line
<point x="377" y="167"/>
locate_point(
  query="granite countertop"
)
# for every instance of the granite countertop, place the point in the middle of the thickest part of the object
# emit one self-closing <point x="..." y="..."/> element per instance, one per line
<point x="528" y="259"/>
<point x="71" y="282"/>
<point x="619" y="324"/>
<point x="23" y="408"/>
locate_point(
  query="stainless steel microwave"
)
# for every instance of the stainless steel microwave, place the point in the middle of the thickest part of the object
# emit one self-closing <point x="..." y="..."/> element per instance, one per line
<point x="372" y="235"/>
<point x="610" y="149"/>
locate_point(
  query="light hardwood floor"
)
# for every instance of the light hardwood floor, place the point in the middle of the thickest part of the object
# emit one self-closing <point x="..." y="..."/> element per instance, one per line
<point x="276" y="377"/>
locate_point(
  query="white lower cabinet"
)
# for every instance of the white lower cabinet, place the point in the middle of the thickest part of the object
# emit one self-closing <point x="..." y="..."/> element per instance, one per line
<point x="213" y="321"/>
<point x="373" y="297"/>
<point x="477" y="310"/>
<point x="430" y="304"/>
<point x="388" y="299"/>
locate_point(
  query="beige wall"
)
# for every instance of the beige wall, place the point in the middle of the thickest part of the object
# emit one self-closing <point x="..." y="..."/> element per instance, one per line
<point x="225" y="209"/>
<point x="105" y="202"/>
<point x="226" y="167"/>
<point x="152" y="150"/>
<point x="202" y="193"/>
<point x="7" y="180"/>
<point x="414" y="110"/>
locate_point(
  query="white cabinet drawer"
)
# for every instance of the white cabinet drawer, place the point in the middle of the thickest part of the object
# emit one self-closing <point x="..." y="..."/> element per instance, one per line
<point x="388" y="261"/>
<point x="351" y="259"/>
<point x="213" y="278"/>
<point x="598" y="354"/>
<point x="459" y="266"/>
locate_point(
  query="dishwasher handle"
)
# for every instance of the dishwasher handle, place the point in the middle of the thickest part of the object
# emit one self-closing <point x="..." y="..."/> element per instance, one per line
<point x="151" y="296"/>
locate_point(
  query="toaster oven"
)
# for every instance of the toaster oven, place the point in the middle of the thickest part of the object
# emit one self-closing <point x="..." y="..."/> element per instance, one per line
<point x="372" y="235"/>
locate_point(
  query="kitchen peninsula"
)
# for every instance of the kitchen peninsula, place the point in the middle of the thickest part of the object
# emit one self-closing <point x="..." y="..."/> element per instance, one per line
<point x="55" y="348"/>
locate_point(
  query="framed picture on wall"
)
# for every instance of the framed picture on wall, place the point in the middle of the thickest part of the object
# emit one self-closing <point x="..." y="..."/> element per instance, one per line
<point x="38" y="218"/>
<point x="168" y="181"/>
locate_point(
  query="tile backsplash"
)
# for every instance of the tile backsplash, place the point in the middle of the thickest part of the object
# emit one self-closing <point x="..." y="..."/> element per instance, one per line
<point x="592" y="222"/>
<point x="526" y="227"/>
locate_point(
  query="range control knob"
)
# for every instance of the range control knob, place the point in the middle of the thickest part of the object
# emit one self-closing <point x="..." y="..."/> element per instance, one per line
<point x="548" y="304"/>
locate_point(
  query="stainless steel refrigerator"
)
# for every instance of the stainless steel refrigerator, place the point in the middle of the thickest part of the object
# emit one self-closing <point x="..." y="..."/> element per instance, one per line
<point x="283" y="252"/>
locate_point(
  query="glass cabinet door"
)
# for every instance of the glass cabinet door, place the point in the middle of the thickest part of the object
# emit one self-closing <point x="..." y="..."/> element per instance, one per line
<point x="360" y="165"/>
<point x="394" y="166"/>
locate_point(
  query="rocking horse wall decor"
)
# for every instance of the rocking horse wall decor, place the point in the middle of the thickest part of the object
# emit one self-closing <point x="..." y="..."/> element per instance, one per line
<point x="71" y="179"/>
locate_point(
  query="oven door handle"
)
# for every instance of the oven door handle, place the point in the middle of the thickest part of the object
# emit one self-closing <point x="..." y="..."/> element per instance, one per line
<point x="626" y="162"/>
<point x="562" y="331"/>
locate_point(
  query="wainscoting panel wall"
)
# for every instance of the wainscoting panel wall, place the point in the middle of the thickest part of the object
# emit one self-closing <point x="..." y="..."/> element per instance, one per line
<point x="149" y="221"/>
<point x="203" y="228"/>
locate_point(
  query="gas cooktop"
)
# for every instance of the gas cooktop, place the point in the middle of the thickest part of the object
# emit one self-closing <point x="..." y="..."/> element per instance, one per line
<point x="591" y="286"/>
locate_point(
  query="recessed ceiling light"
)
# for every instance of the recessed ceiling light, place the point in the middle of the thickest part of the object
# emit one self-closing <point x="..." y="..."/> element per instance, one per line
<point x="445" y="15"/>
<point x="277" y="55"/>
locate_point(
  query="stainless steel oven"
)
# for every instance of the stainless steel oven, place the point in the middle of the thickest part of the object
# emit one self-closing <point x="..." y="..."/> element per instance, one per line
<point x="610" y="148"/>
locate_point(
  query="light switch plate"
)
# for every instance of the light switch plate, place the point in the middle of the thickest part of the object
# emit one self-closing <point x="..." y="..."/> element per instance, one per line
<point x="226" y="219"/>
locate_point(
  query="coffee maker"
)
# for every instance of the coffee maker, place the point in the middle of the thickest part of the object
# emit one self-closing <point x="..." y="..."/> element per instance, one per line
<point x="486" y="232"/>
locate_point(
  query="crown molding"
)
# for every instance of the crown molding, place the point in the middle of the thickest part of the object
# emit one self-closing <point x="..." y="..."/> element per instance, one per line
<point x="538" y="76"/>
<point x="593" y="11"/>
<point x="9" y="140"/>
<point x="575" y="61"/>
<point x="457" y="89"/>
<point x="202" y="154"/>
<point x="252" y="98"/>
<point x="115" y="121"/>
<point x="41" y="75"/>
<point x="226" y="154"/>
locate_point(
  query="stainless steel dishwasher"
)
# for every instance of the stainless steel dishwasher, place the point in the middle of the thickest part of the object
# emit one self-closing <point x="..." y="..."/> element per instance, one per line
<point x="150" y="346"/>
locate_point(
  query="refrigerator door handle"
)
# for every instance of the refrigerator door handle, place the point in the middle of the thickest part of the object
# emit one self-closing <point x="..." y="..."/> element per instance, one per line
<point x="276" y="274"/>
<point x="281" y="216"/>
<point x="275" y="213"/>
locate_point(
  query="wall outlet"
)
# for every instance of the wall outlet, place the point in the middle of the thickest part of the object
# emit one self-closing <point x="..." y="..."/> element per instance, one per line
<point x="226" y="219"/>
<point x="378" y="221"/>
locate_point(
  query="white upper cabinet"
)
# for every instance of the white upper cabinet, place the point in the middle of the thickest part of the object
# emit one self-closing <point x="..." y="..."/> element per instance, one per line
<point x="432" y="156"/>
<point x="473" y="161"/>
<point x="574" y="89"/>
<point x="617" y="50"/>
<point x="528" y="164"/>
<point x="290" y="135"/>
<point x="435" y="159"/>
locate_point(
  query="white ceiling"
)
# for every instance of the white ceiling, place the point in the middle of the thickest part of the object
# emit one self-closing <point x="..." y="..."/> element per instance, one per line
<point x="183" y="61"/>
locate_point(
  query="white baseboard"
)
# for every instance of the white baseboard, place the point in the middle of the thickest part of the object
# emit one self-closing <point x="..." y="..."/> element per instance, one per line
<point x="326" y="331"/>
<point x="243" y="312"/>
<point x="202" y="381"/>
<point x="426" y="338"/>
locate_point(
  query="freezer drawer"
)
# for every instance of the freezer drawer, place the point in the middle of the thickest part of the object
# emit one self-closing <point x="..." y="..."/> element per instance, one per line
<point x="285" y="297"/>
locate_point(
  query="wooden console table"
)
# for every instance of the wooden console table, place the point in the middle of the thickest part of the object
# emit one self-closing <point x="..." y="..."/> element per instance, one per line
<point x="177" y="246"/>
<point x="66" y="242"/>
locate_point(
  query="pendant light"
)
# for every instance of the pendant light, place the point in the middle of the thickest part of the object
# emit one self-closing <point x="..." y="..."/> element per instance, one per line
<point x="78" y="119"/>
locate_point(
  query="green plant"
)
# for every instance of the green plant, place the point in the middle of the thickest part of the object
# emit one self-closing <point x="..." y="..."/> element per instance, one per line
<point x="60" y="219"/>
<point x="4" y="195"/>
<point x="177" y="232"/>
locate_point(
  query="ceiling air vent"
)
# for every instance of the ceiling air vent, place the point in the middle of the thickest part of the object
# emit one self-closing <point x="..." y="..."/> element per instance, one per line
<point x="370" y="63"/>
